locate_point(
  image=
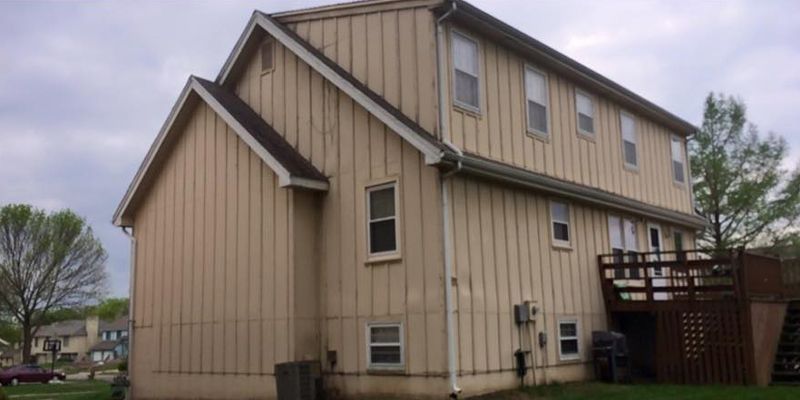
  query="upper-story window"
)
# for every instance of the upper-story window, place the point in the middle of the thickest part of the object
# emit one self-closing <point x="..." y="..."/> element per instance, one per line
<point x="536" y="96"/>
<point x="585" y="110"/>
<point x="267" y="55"/>
<point x="382" y="219"/>
<point x="559" y="216"/>
<point x="629" y="149"/>
<point x="466" y="81"/>
<point x="678" y="170"/>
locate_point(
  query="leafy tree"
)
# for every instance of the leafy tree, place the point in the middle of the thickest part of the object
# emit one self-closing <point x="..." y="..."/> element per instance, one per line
<point x="739" y="184"/>
<point x="111" y="308"/>
<point x="47" y="262"/>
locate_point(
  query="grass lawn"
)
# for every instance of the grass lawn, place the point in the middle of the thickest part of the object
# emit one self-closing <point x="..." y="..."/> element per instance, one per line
<point x="600" y="391"/>
<point x="94" y="390"/>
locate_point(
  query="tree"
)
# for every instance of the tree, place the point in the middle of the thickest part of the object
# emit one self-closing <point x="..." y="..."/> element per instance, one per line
<point x="739" y="184"/>
<point x="111" y="308"/>
<point x="47" y="261"/>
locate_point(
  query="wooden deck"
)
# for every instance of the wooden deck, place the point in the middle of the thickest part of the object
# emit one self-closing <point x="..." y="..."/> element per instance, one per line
<point x="701" y="328"/>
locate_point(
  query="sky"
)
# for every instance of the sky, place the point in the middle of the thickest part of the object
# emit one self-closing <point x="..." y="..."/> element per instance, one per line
<point x="86" y="85"/>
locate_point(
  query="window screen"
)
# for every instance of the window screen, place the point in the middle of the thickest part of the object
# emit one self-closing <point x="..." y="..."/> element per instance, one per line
<point x="382" y="219"/>
<point x="628" y="126"/>
<point x="677" y="160"/>
<point x="385" y="345"/>
<point x="559" y="213"/>
<point x="536" y="94"/>
<point x="568" y="346"/>
<point x="465" y="71"/>
<point x="267" y="55"/>
<point x="585" y="108"/>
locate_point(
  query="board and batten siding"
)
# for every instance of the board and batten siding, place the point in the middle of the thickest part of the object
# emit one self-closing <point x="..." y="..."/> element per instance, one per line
<point x="216" y="265"/>
<point x="355" y="150"/>
<point x="504" y="255"/>
<point x="499" y="132"/>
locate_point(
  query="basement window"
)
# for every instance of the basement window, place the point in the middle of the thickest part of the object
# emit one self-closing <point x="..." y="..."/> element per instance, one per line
<point x="466" y="81"/>
<point x="677" y="161"/>
<point x="382" y="221"/>
<point x="385" y="345"/>
<point x="628" y="127"/>
<point x="559" y="216"/>
<point x="536" y="101"/>
<point x="568" y="342"/>
<point x="585" y="110"/>
<point x="267" y="55"/>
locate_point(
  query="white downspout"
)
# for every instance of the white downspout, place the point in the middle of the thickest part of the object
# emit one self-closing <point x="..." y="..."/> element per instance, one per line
<point x="441" y="71"/>
<point x="130" y="309"/>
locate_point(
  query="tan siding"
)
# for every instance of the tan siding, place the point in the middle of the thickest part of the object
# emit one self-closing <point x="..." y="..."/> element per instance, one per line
<point x="499" y="132"/>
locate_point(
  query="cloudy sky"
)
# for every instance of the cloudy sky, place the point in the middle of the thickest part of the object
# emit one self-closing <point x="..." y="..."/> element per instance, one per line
<point x="85" y="86"/>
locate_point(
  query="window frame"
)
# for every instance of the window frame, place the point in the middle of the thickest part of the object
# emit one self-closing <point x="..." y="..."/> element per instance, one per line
<point x="629" y="166"/>
<point x="577" y="338"/>
<point x="267" y="41"/>
<point x="682" y="153"/>
<point x="581" y="92"/>
<point x="528" y="129"/>
<point x="384" y="255"/>
<point x="467" y="107"/>
<point x="558" y="242"/>
<point x="370" y="345"/>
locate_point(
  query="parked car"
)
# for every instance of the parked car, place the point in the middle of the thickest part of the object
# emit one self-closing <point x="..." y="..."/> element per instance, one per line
<point x="28" y="373"/>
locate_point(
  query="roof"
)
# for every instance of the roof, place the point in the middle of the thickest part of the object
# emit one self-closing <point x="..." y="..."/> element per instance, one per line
<point x="106" y="345"/>
<point x="63" y="328"/>
<point x="120" y="324"/>
<point x="3" y="343"/>
<point x="481" y="21"/>
<point x="289" y="165"/>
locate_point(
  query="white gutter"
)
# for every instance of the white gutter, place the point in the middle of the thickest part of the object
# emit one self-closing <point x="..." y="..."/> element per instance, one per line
<point x="444" y="132"/>
<point x="130" y="309"/>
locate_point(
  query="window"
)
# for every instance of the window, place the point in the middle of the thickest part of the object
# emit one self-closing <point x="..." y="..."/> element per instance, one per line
<point x="654" y="237"/>
<point x="677" y="160"/>
<point x="536" y="95"/>
<point x="568" y="343"/>
<point x="585" y="110"/>
<point x="65" y="341"/>
<point x="382" y="219"/>
<point x="385" y="345"/>
<point x="628" y="127"/>
<point x="465" y="72"/>
<point x="677" y="239"/>
<point x="559" y="215"/>
<point x="622" y="233"/>
<point x="267" y="55"/>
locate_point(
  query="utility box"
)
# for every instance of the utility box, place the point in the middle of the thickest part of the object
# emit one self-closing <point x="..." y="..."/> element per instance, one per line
<point x="299" y="380"/>
<point x="521" y="313"/>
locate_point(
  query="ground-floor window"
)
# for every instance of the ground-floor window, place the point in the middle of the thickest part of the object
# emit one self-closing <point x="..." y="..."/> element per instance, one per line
<point x="385" y="345"/>
<point x="568" y="342"/>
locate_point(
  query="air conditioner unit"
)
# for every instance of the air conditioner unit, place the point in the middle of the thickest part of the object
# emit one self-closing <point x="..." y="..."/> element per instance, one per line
<point x="299" y="380"/>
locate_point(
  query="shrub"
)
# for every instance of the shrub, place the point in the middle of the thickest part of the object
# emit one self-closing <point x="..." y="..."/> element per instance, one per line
<point x="123" y="366"/>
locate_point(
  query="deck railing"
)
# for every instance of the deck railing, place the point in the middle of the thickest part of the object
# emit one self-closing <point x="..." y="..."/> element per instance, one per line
<point x="791" y="277"/>
<point x="645" y="280"/>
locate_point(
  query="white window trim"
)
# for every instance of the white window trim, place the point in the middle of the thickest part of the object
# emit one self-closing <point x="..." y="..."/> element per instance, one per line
<point x="577" y="338"/>
<point x="384" y="255"/>
<point x="273" y="43"/>
<point x="577" y="114"/>
<point x="634" y="167"/>
<point x="558" y="242"/>
<point x="658" y="271"/>
<point x="683" y="160"/>
<point x="465" y="106"/>
<point x="535" y="132"/>
<point x="370" y="345"/>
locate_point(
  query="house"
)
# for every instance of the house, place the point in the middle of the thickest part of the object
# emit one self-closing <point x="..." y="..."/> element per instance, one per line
<point x="8" y="354"/>
<point x="375" y="186"/>
<point x="76" y="337"/>
<point x="113" y="342"/>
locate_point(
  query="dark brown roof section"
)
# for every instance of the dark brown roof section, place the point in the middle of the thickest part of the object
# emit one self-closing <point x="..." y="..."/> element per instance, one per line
<point x="263" y="133"/>
<point x="476" y="19"/>
<point x="383" y="103"/>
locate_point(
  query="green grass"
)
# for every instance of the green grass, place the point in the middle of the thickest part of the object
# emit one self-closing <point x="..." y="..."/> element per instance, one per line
<point x="85" y="390"/>
<point x="600" y="391"/>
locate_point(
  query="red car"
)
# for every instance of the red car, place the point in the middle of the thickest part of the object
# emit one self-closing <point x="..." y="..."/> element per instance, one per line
<point x="29" y="373"/>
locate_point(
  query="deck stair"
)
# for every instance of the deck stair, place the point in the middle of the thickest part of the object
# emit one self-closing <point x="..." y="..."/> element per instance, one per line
<point x="786" y="370"/>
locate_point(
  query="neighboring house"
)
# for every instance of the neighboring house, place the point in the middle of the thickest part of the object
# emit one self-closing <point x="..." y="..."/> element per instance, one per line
<point x="347" y="190"/>
<point x="76" y="336"/>
<point x="113" y="341"/>
<point x="8" y="354"/>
